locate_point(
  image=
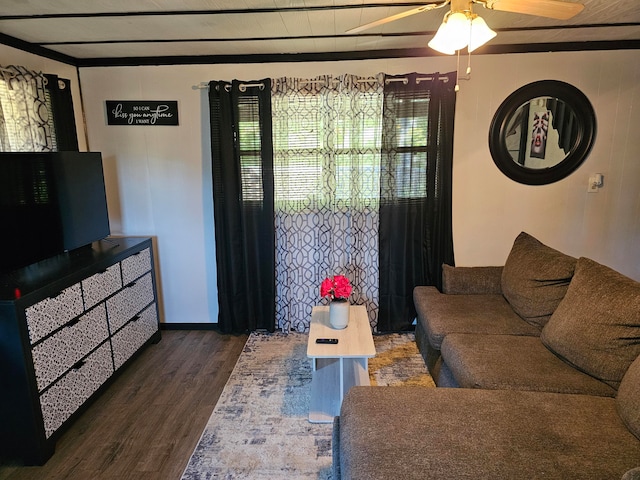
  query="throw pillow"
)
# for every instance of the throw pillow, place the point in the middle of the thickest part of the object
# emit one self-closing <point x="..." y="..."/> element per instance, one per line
<point x="535" y="278"/>
<point x="628" y="400"/>
<point x="596" y="327"/>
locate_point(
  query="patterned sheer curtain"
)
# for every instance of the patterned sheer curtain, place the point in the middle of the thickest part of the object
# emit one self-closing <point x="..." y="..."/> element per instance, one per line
<point x="326" y="142"/>
<point x="25" y="123"/>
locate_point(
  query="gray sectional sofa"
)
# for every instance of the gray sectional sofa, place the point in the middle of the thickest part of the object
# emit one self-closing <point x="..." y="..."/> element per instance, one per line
<point x="546" y="349"/>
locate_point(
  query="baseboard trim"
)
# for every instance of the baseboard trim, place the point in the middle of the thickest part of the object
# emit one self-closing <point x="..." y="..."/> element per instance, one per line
<point x="189" y="326"/>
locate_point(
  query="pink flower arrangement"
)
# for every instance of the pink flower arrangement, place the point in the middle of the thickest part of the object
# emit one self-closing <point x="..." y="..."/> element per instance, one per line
<point x="337" y="286"/>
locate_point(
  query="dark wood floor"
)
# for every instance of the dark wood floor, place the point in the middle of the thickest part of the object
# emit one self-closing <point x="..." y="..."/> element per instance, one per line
<point x="147" y="423"/>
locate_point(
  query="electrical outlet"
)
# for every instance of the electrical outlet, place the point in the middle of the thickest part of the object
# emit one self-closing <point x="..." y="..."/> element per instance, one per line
<point x="595" y="182"/>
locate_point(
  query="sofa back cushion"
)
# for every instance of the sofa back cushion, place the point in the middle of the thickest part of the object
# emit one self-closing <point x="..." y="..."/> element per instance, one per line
<point x="471" y="280"/>
<point x="628" y="399"/>
<point x="596" y="327"/>
<point x="535" y="278"/>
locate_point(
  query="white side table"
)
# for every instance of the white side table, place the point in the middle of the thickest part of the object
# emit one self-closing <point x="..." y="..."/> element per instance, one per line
<point x="337" y="368"/>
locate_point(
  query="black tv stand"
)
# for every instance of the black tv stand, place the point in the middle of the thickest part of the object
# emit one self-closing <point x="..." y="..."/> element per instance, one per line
<point x="113" y="242"/>
<point x="68" y="326"/>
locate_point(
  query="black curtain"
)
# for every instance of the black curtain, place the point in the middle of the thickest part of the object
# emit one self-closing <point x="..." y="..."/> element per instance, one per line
<point x="415" y="191"/>
<point x="242" y="166"/>
<point x="61" y="101"/>
<point x="564" y="122"/>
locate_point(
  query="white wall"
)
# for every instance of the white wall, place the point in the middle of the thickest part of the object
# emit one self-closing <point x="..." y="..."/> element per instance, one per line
<point x="490" y="210"/>
<point x="159" y="178"/>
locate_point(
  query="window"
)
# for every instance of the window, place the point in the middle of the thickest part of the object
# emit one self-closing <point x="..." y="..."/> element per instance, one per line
<point x="407" y="143"/>
<point x="250" y="149"/>
<point x="327" y="148"/>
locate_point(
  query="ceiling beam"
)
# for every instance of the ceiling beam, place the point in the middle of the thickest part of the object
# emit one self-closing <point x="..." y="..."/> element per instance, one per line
<point x="231" y="11"/>
<point x="36" y="49"/>
<point x="354" y="55"/>
<point x="310" y="37"/>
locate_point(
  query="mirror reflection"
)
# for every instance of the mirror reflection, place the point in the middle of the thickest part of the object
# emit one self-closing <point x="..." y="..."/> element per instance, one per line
<point x="541" y="132"/>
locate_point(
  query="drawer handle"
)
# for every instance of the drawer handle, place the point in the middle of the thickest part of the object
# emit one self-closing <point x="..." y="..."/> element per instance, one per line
<point x="102" y="271"/>
<point x="78" y="365"/>
<point x="56" y="295"/>
<point x="136" y="318"/>
<point x="129" y="285"/>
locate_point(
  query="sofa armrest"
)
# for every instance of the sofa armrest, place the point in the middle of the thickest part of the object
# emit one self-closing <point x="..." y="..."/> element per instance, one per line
<point x="471" y="280"/>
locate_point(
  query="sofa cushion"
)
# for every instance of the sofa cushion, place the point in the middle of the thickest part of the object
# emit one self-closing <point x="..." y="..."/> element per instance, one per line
<point x="596" y="327"/>
<point x="506" y="362"/>
<point x="471" y="280"/>
<point x="535" y="278"/>
<point x="444" y="433"/>
<point x="628" y="399"/>
<point x="442" y="314"/>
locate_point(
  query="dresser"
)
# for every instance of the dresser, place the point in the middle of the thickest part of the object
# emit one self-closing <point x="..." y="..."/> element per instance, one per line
<point x="68" y="325"/>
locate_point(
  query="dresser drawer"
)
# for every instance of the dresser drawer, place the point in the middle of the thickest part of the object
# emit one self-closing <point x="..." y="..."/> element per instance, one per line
<point x="53" y="312"/>
<point x="62" y="350"/>
<point x="136" y="265"/>
<point x="125" y="304"/>
<point x="60" y="401"/>
<point x="99" y="286"/>
<point x="135" y="333"/>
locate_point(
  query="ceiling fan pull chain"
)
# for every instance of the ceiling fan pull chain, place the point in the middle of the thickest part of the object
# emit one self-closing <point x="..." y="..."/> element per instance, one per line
<point x="469" y="48"/>
<point x="457" y="87"/>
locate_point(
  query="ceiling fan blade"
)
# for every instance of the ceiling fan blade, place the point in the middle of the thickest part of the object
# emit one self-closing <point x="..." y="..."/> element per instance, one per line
<point x="542" y="8"/>
<point x="398" y="16"/>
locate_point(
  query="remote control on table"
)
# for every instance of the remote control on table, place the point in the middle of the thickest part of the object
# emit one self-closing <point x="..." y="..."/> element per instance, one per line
<point x="331" y="341"/>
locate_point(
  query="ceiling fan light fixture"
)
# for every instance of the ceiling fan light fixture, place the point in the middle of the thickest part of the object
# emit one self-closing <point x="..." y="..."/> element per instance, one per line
<point x="459" y="30"/>
<point x="480" y="33"/>
<point x="440" y="42"/>
<point x="452" y="35"/>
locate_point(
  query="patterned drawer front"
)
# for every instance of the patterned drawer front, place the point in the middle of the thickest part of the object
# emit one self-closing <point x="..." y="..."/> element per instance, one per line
<point x="71" y="391"/>
<point x="47" y="315"/>
<point x="65" y="348"/>
<point x="128" y="340"/>
<point x="125" y="304"/>
<point x="99" y="286"/>
<point x="136" y="265"/>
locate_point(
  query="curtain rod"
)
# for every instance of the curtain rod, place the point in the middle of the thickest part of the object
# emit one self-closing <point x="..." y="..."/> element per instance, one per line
<point x="311" y="82"/>
<point x="243" y="86"/>
<point x="405" y="80"/>
<point x="335" y="81"/>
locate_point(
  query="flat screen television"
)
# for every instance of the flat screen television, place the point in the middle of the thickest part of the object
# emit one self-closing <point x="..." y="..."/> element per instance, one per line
<point x="50" y="203"/>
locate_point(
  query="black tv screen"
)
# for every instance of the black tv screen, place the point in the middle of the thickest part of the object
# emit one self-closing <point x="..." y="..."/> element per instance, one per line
<point x="50" y="203"/>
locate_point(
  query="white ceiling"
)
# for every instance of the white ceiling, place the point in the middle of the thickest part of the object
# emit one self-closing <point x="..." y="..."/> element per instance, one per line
<point x="130" y="31"/>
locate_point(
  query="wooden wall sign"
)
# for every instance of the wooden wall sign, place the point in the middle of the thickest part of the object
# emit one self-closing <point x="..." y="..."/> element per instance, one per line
<point x="140" y="112"/>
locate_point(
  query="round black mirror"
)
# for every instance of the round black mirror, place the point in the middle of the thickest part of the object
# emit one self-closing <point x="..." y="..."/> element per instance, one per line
<point x="542" y="132"/>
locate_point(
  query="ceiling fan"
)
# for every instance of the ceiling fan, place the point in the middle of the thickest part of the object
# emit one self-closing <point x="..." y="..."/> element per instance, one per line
<point x="557" y="9"/>
<point x="462" y="28"/>
<point x="460" y="24"/>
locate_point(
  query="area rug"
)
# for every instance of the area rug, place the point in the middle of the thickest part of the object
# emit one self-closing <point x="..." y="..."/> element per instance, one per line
<point x="259" y="428"/>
